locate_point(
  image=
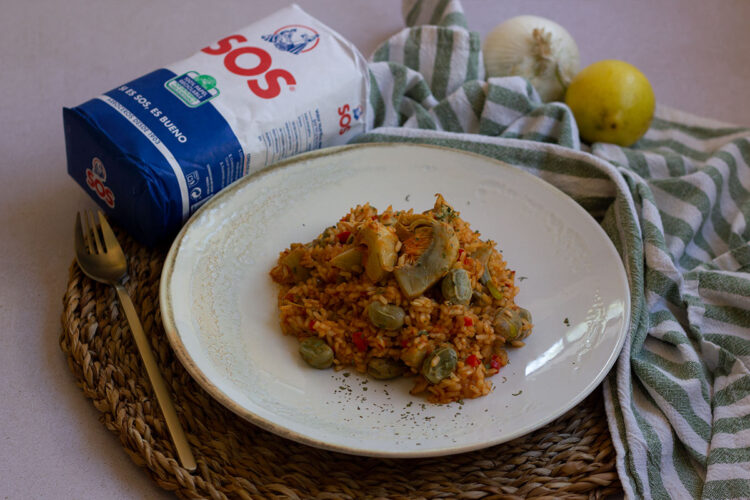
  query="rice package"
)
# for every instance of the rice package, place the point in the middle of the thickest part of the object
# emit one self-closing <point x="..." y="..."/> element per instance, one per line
<point x="153" y="150"/>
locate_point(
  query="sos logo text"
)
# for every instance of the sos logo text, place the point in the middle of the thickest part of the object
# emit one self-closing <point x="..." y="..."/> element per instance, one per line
<point x="96" y="176"/>
<point x="265" y="82"/>
<point x="345" y="117"/>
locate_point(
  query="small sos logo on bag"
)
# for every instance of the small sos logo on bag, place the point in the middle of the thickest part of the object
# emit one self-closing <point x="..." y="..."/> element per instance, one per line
<point x="96" y="176"/>
<point x="345" y="117"/>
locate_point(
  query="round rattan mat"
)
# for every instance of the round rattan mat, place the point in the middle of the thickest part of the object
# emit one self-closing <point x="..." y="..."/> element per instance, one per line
<point x="572" y="457"/>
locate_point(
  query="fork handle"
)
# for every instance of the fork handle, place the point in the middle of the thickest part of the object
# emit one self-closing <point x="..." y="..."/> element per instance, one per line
<point x="174" y="427"/>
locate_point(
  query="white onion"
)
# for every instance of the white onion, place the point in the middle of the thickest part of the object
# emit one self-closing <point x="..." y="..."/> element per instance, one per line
<point x="535" y="48"/>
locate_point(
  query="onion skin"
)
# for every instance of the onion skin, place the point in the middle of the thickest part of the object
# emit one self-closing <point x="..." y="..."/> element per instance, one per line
<point x="535" y="48"/>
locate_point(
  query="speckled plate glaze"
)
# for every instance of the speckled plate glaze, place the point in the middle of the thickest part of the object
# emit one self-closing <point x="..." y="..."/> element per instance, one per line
<point x="219" y="304"/>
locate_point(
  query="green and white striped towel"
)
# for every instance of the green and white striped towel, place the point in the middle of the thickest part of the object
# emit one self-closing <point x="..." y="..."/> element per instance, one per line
<point x="676" y="205"/>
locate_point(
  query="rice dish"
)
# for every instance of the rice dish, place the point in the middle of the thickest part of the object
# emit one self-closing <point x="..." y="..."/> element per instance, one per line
<point x="399" y="293"/>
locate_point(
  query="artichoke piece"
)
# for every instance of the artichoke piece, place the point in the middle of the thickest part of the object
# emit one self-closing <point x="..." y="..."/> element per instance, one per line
<point x="293" y="260"/>
<point x="381" y="244"/>
<point x="349" y="260"/>
<point x="483" y="255"/>
<point x="414" y="355"/>
<point x="434" y="262"/>
<point x="442" y="211"/>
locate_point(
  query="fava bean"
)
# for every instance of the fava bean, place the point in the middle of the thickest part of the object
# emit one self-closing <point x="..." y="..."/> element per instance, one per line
<point x="386" y="316"/>
<point x="384" y="368"/>
<point x="507" y="323"/>
<point x="439" y="364"/>
<point x="456" y="287"/>
<point x="316" y="353"/>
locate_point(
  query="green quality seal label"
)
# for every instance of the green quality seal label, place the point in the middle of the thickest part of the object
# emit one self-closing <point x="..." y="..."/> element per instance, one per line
<point x="193" y="88"/>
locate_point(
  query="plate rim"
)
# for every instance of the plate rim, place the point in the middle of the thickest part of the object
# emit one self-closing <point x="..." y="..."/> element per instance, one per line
<point x="178" y="347"/>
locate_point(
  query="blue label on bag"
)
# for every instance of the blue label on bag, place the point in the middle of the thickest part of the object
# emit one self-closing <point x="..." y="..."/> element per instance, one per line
<point x="175" y="136"/>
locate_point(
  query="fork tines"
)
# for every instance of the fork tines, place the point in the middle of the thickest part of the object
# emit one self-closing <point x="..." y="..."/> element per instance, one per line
<point x="97" y="237"/>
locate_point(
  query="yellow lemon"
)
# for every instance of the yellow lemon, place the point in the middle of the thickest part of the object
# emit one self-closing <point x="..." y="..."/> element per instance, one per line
<point x="612" y="101"/>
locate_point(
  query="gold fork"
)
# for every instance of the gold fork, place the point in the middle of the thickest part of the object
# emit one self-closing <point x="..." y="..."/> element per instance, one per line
<point x="101" y="258"/>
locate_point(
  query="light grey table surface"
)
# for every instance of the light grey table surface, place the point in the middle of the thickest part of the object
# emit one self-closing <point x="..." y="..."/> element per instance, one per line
<point x="57" y="54"/>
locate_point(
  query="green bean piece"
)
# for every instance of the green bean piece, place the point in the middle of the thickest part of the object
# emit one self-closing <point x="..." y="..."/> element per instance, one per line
<point x="456" y="287"/>
<point x="386" y="316"/>
<point x="384" y="368"/>
<point x="316" y="353"/>
<point x="439" y="364"/>
<point x="496" y="294"/>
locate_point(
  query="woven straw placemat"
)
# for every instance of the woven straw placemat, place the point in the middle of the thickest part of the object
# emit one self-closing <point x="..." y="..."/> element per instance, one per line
<point x="572" y="457"/>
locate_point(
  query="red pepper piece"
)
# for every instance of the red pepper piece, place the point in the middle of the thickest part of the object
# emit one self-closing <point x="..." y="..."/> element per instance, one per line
<point x="311" y="325"/>
<point x="343" y="236"/>
<point x="460" y="253"/>
<point x="359" y="341"/>
<point x="404" y="343"/>
<point x="473" y="360"/>
<point x="495" y="362"/>
<point x="468" y="321"/>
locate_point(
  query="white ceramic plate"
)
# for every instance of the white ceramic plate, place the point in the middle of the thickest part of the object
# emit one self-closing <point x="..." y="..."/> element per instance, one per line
<point x="219" y="304"/>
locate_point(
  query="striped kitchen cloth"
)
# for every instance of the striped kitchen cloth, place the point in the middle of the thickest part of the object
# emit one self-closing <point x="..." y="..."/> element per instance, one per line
<point x="676" y="206"/>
